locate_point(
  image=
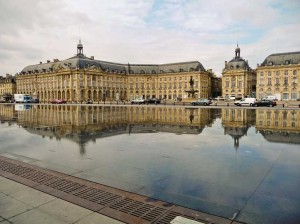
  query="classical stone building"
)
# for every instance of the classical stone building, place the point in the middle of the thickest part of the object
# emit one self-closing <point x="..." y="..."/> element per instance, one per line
<point x="79" y="78"/>
<point x="279" y="75"/>
<point x="7" y="87"/>
<point x="238" y="78"/>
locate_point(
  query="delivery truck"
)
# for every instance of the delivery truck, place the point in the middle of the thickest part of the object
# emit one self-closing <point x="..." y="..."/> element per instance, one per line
<point x="22" y="98"/>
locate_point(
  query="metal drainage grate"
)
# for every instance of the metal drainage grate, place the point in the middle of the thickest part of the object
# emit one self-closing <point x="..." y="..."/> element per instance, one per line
<point x="138" y="210"/>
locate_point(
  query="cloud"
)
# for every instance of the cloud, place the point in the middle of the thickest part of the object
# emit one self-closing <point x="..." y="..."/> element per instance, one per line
<point x="139" y="31"/>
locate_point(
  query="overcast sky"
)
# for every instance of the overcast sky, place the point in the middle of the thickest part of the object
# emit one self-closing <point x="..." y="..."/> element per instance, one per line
<point x="146" y="31"/>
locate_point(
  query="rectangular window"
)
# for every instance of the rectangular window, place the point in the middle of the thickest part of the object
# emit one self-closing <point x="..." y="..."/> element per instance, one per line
<point x="285" y="96"/>
<point x="269" y="81"/>
<point x="294" y="96"/>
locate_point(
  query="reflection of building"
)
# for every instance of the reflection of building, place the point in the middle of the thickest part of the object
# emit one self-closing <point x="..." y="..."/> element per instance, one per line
<point x="236" y="123"/>
<point x="279" y="125"/>
<point x="82" y="124"/>
<point x="79" y="78"/>
<point x="7" y="113"/>
<point x="7" y="87"/>
<point x="238" y="79"/>
<point x="279" y="75"/>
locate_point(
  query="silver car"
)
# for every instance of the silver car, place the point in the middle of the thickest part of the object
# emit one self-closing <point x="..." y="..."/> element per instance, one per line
<point x="201" y="102"/>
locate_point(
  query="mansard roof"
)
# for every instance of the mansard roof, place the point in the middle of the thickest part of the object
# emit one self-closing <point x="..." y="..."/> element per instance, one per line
<point x="282" y="59"/>
<point x="80" y="61"/>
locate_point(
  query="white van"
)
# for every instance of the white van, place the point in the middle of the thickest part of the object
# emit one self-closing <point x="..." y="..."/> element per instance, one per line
<point x="245" y="101"/>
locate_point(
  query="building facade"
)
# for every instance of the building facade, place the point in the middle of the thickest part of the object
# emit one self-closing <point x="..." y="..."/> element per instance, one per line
<point x="7" y="87"/>
<point x="238" y="79"/>
<point x="80" y="78"/>
<point x="279" y="75"/>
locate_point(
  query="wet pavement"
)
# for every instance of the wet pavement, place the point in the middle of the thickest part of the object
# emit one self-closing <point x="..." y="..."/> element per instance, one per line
<point x="20" y="204"/>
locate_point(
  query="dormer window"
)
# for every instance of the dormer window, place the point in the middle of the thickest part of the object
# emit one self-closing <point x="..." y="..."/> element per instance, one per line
<point x="181" y="70"/>
<point x="131" y="72"/>
<point x="287" y="62"/>
<point x="192" y="69"/>
<point x="142" y="72"/>
<point x="161" y="71"/>
<point x="237" y="66"/>
<point x="271" y="63"/>
<point x="153" y="72"/>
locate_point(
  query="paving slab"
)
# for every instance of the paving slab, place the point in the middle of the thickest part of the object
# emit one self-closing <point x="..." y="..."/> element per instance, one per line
<point x="35" y="216"/>
<point x="9" y="187"/>
<point x="65" y="211"/>
<point x="10" y="207"/>
<point x="32" y="197"/>
<point x="96" y="218"/>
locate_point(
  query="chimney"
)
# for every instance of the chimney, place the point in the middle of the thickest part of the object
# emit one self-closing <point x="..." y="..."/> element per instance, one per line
<point x="48" y="61"/>
<point x="41" y="62"/>
<point x="92" y="57"/>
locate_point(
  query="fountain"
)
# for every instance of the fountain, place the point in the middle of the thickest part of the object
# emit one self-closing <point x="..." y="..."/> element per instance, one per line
<point x="191" y="92"/>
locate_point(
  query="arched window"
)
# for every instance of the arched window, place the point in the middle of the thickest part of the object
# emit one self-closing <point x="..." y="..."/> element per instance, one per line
<point x="153" y="72"/>
<point x="142" y="72"/>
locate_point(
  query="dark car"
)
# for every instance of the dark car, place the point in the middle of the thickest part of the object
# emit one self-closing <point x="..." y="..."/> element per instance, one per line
<point x="36" y="100"/>
<point x="264" y="103"/>
<point x="89" y="101"/>
<point x="153" y="100"/>
<point x="58" y="101"/>
<point x="201" y="102"/>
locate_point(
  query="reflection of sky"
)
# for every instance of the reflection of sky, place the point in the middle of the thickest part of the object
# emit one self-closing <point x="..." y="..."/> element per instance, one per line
<point x="202" y="171"/>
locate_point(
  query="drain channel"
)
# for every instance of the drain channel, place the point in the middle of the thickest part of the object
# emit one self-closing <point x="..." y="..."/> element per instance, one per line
<point x="118" y="204"/>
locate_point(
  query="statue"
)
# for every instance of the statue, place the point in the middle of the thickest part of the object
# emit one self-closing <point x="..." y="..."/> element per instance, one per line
<point x="191" y="82"/>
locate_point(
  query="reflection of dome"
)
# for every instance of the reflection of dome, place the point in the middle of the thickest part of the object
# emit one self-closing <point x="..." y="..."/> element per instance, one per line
<point x="236" y="133"/>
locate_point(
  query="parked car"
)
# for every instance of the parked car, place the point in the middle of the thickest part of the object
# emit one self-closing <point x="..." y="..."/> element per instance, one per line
<point x="58" y="101"/>
<point x="36" y="100"/>
<point x="219" y="98"/>
<point x="138" y="101"/>
<point x="89" y="101"/>
<point x="153" y="100"/>
<point x="201" y="102"/>
<point x="267" y="103"/>
<point x="178" y="99"/>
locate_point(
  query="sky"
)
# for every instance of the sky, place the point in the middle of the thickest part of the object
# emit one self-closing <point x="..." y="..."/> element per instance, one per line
<point x="146" y="31"/>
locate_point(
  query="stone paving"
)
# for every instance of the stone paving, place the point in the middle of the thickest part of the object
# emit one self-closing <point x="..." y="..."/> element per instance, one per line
<point x="20" y="204"/>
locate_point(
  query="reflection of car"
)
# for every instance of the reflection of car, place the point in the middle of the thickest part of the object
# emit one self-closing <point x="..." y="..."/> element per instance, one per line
<point x="2" y="101"/>
<point x="89" y="101"/>
<point x="201" y="102"/>
<point x="268" y="103"/>
<point x="298" y="99"/>
<point x="152" y="100"/>
<point x="36" y="100"/>
<point x="138" y="101"/>
<point x="58" y="101"/>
